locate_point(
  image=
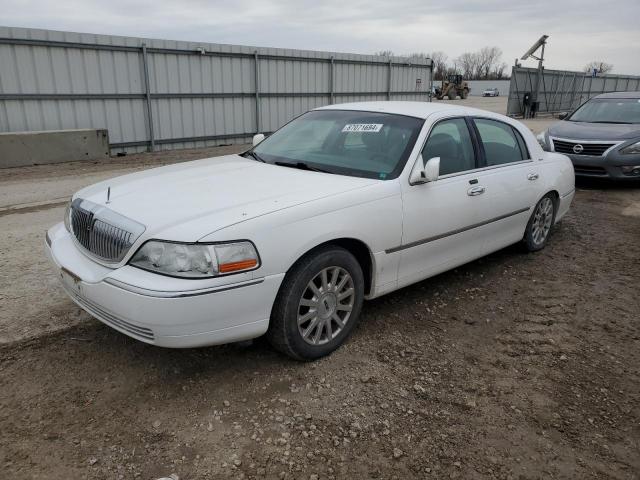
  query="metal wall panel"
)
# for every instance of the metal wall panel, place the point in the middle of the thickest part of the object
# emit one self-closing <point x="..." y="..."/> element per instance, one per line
<point x="199" y="94"/>
<point x="563" y="90"/>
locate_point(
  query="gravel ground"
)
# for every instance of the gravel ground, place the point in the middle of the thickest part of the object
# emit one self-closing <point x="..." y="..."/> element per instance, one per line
<point x="516" y="366"/>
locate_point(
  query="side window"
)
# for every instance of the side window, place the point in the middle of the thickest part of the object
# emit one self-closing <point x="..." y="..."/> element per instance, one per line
<point x="501" y="143"/>
<point x="523" y="145"/>
<point x="450" y="140"/>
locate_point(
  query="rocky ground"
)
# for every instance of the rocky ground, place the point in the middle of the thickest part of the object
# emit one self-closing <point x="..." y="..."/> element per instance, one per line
<point x="514" y="366"/>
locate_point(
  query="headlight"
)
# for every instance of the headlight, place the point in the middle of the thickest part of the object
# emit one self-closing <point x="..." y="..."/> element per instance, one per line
<point x="634" y="148"/>
<point x="542" y="140"/>
<point x="67" y="217"/>
<point x="196" y="260"/>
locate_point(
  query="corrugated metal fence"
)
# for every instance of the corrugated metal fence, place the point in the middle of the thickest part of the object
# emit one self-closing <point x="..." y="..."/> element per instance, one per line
<point x="563" y="90"/>
<point x="162" y="94"/>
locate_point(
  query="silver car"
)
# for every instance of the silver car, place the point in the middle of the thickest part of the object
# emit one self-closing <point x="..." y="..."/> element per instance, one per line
<point x="491" y="92"/>
<point x="601" y="137"/>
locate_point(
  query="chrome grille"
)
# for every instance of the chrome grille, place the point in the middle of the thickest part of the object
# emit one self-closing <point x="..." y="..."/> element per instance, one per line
<point x="592" y="149"/>
<point x="102" y="232"/>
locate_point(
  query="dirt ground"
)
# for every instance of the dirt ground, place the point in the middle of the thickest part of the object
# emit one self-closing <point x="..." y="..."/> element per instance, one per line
<point x="516" y="366"/>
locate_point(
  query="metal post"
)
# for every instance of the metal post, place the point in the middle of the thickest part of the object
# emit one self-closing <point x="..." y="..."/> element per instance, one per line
<point x="573" y="91"/>
<point x="257" y="81"/>
<point x="555" y="95"/>
<point x="514" y="80"/>
<point x="539" y="79"/>
<point x="147" y="92"/>
<point x="331" y="67"/>
<point x="389" y="81"/>
<point x="615" y="87"/>
<point x="582" y="90"/>
<point x="431" y="80"/>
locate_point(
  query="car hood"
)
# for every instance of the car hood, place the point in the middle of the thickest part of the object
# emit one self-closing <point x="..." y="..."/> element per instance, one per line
<point x="187" y="201"/>
<point x="594" y="131"/>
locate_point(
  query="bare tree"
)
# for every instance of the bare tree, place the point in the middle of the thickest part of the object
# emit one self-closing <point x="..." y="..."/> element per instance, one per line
<point x="439" y="60"/>
<point x="486" y="63"/>
<point x="468" y="63"/>
<point x="600" y="66"/>
<point x="498" y="71"/>
<point x="488" y="59"/>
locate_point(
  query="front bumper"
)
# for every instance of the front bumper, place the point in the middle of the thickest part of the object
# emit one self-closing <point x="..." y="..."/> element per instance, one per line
<point x="609" y="165"/>
<point x="129" y="300"/>
<point x="603" y="167"/>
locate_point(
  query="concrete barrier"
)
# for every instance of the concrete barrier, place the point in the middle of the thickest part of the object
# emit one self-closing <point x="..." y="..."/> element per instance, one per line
<point x="19" y="149"/>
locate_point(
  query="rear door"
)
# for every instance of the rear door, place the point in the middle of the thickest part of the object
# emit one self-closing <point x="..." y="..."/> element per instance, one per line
<point x="511" y="180"/>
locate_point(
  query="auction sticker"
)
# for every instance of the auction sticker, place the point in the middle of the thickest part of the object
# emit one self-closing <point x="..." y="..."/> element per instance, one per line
<point x="362" y="127"/>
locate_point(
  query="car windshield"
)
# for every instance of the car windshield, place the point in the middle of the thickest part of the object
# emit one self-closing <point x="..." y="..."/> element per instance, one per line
<point x="609" y="110"/>
<point x="361" y="144"/>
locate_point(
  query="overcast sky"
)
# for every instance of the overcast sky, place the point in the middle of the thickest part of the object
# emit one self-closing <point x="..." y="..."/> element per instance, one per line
<point x="579" y="30"/>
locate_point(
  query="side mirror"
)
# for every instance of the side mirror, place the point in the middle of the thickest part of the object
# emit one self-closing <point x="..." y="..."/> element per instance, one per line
<point x="563" y="115"/>
<point x="422" y="173"/>
<point x="257" y="138"/>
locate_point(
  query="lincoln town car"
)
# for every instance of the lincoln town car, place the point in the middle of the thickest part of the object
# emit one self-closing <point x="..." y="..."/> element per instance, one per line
<point x="342" y="204"/>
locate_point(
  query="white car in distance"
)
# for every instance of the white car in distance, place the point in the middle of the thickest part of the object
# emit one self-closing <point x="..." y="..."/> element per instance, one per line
<point x="344" y="203"/>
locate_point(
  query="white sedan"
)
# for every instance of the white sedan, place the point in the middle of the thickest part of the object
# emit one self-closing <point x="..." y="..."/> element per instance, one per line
<point x="344" y="203"/>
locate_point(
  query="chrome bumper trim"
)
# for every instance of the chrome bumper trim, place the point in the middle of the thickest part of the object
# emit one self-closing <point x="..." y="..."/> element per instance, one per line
<point x="189" y="293"/>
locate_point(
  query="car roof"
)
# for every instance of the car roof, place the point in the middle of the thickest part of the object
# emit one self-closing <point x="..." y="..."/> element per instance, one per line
<point x="411" y="109"/>
<point x="619" y="95"/>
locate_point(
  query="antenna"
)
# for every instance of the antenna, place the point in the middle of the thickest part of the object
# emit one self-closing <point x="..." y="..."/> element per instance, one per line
<point x="530" y="53"/>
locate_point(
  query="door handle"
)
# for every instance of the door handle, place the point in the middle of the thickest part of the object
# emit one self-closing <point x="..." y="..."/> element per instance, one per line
<point x="473" y="191"/>
<point x="532" y="176"/>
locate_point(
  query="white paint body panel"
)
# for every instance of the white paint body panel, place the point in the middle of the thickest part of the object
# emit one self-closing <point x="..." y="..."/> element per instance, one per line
<point x="286" y="212"/>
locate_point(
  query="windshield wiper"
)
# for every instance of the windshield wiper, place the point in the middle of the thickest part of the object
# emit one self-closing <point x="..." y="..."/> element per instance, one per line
<point x="254" y="155"/>
<point x="301" y="166"/>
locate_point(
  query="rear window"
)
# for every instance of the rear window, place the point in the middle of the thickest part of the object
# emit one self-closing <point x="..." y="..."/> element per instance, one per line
<point x="502" y="144"/>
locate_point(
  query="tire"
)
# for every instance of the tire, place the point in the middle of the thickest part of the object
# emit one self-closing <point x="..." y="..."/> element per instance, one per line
<point x="539" y="226"/>
<point x="452" y="94"/>
<point x="301" y="315"/>
<point x="465" y="94"/>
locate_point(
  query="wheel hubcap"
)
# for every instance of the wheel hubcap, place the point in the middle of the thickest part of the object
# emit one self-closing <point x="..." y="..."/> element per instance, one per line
<point x="542" y="218"/>
<point x="325" y="306"/>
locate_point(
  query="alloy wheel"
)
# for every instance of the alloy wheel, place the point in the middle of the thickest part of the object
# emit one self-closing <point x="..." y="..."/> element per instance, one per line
<point x="326" y="305"/>
<point x="542" y="218"/>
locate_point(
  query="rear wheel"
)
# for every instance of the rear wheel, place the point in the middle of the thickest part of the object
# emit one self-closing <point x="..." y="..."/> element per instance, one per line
<point x="540" y="223"/>
<point x="318" y="304"/>
<point x="465" y="94"/>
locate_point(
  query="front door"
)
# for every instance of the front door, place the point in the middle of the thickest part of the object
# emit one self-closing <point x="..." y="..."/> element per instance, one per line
<point x="439" y="216"/>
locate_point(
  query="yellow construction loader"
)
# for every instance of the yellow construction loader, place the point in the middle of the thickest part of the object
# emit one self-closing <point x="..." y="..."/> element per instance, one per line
<point x="454" y="87"/>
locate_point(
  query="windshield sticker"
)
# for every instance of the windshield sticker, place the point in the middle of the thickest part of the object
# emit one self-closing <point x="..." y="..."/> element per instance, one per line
<point x="362" y="127"/>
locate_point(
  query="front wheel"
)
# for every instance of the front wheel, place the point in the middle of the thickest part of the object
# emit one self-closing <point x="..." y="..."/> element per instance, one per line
<point x="540" y="223"/>
<point x="318" y="304"/>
